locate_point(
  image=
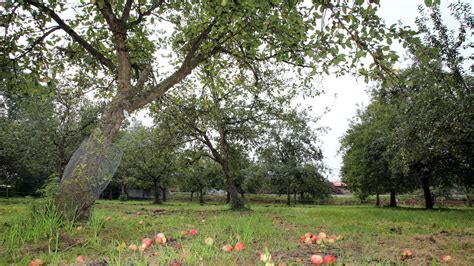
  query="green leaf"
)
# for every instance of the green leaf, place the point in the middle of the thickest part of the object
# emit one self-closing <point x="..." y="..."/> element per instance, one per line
<point x="429" y="3"/>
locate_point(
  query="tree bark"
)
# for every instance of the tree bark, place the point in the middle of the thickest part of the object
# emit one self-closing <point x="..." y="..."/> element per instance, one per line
<point x="301" y="196"/>
<point x="425" y="185"/>
<point x="227" y="200"/>
<point x="288" y="192"/>
<point x="393" y="198"/>
<point x="163" y="189"/>
<point x="377" y="200"/>
<point x="157" y="190"/>
<point x="87" y="173"/>
<point x="192" y="194"/>
<point x="294" y="196"/>
<point x="201" y="197"/>
<point x="235" y="201"/>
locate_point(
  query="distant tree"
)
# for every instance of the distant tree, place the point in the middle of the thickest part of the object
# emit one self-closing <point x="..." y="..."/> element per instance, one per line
<point x="420" y="129"/>
<point x="228" y="113"/>
<point x="290" y="146"/>
<point x="200" y="175"/>
<point x="435" y="126"/>
<point x="150" y="159"/>
<point x="370" y="158"/>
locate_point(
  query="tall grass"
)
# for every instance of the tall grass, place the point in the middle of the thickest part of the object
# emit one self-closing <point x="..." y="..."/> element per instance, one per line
<point x="43" y="221"/>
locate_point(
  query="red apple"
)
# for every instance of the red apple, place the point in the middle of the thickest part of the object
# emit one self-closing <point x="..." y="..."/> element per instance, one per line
<point x="446" y="258"/>
<point x="407" y="253"/>
<point x="185" y="232"/>
<point x="147" y="241"/>
<point x="308" y="235"/>
<point x="322" y="235"/>
<point x="36" y="262"/>
<point x="329" y="259"/>
<point x="193" y="232"/>
<point x="239" y="246"/>
<point x="160" y="239"/>
<point x="316" y="259"/>
<point x="80" y="259"/>
<point x="227" y="248"/>
<point x="302" y="239"/>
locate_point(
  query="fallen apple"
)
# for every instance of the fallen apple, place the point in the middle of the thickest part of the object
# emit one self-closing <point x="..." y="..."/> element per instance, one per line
<point x="329" y="259"/>
<point x="227" y="248"/>
<point x="265" y="257"/>
<point x="322" y="235"/>
<point x="133" y="247"/>
<point x="407" y="253"/>
<point x="185" y="232"/>
<point x="141" y="222"/>
<point x="446" y="258"/>
<point x="36" y="262"/>
<point x="193" y="232"/>
<point x="317" y="259"/>
<point x="331" y="239"/>
<point x="239" y="246"/>
<point x="80" y="259"/>
<point x="160" y="239"/>
<point x="308" y="235"/>
<point x="147" y="242"/>
<point x="209" y="241"/>
<point x="302" y="239"/>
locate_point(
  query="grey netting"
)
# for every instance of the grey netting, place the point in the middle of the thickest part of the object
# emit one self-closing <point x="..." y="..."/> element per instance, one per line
<point x="86" y="175"/>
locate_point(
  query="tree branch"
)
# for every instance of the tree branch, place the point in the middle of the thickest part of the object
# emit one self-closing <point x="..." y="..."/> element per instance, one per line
<point x="76" y="37"/>
<point x="126" y="11"/>
<point x="148" y="12"/>
<point x="38" y="41"/>
<point x="190" y="62"/>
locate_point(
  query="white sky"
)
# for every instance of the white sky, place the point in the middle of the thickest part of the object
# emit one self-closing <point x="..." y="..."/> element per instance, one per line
<point x="344" y="95"/>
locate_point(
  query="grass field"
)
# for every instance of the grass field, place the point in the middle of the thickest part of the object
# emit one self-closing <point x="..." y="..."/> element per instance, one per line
<point x="371" y="235"/>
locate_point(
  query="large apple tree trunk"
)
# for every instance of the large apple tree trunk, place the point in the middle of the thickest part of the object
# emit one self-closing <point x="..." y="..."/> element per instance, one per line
<point x="91" y="168"/>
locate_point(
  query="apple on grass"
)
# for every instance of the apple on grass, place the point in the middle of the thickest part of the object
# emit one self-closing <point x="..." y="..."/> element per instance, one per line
<point x="227" y="248"/>
<point x="329" y="259"/>
<point x="407" y="253"/>
<point x="446" y="258"/>
<point x="316" y="259"/>
<point x="80" y="259"/>
<point x="209" y="241"/>
<point x="160" y="239"/>
<point x="36" y="262"/>
<point x="239" y="246"/>
<point x="193" y="232"/>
